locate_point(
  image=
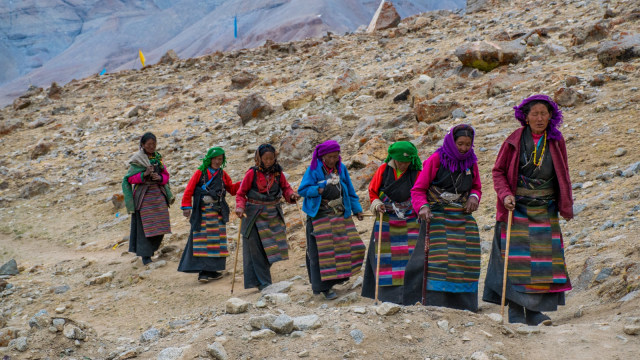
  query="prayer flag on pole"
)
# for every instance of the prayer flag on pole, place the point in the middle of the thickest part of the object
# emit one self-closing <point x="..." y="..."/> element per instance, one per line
<point x="104" y="71"/>
<point x="235" y="27"/>
<point x="141" y="57"/>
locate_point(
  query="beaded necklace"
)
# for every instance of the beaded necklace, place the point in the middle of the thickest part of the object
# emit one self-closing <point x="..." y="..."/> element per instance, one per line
<point x="535" y="151"/>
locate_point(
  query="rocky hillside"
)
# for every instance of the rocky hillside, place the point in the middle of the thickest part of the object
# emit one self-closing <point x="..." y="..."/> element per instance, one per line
<point x="56" y="40"/>
<point x="77" y="293"/>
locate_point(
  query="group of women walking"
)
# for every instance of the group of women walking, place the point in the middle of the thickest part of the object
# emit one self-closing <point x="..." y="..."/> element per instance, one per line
<point x="425" y="246"/>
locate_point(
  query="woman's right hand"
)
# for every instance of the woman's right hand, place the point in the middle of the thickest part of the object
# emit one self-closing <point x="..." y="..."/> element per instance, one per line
<point x="425" y="214"/>
<point x="239" y="212"/>
<point x="148" y="171"/>
<point x="380" y="208"/>
<point x="510" y="202"/>
<point x="186" y="213"/>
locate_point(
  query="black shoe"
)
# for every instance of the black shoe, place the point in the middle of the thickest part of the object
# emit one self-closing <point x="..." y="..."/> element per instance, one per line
<point x="330" y="294"/>
<point x="535" y="318"/>
<point x="202" y="277"/>
<point x="146" y="260"/>
<point x="516" y="314"/>
<point x="214" y="275"/>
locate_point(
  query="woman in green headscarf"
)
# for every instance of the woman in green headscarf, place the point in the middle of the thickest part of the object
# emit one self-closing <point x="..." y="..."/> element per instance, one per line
<point x="205" y="205"/>
<point x="390" y="195"/>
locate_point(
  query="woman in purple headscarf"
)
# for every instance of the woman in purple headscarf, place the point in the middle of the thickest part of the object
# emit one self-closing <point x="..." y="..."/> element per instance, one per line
<point x="335" y="251"/>
<point x="531" y="178"/>
<point x="445" y="194"/>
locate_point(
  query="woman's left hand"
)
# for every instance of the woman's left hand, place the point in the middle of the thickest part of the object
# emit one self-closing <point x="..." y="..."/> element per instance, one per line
<point x="359" y="216"/>
<point x="472" y="205"/>
<point x="294" y="198"/>
<point x="156" y="177"/>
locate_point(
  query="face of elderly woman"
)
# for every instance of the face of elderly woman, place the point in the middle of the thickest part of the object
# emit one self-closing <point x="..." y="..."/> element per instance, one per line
<point x="403" y="165"/>
<point x="538" y="118"/>
<point x="331" y="159"/>
<point x="149" y="146"/>
<point x="216" y="162"/>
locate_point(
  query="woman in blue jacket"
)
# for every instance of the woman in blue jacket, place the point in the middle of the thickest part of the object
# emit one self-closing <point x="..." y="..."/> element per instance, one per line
<point x="335" y="251"/>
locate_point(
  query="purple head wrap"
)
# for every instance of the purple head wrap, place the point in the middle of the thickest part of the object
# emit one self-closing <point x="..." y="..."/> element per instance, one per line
<point x="323" y="149"/>
<point x="556" y="115"/>
<point x="450" y="157"/>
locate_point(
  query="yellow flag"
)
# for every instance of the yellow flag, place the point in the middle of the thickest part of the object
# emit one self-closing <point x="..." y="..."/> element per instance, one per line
<point x="141" y="57"/>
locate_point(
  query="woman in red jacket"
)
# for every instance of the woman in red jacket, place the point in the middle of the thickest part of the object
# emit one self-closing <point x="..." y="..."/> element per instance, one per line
<point x="207" y="248"/>
<point x="531" y="178"/>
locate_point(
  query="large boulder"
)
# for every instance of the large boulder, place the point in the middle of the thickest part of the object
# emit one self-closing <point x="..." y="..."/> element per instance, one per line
<point x="488" y="55"/>
<point x="436" y="109"/>
<point x="624" y="48"/>
<point x="252" y="107"/>
<point x="243" y="80"/>
<point x="386" y="17"/>
<point x="590" y="32"/>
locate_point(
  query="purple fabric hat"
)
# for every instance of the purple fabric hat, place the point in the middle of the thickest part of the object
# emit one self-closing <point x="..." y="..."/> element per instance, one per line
<point x="323" y="149"/>
<point x="450" y="157"/>
<point x="556" y="115"/>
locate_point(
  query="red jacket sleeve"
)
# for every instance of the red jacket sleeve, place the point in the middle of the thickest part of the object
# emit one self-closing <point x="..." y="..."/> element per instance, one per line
<point x="136" y="179"/>
<point x="287" y="191"/>
<point x="245" y="186"/>
<point x="229" y="185"/>
<point x="500" y="172"/>
<point x="423" y="181"/>
<point x="376" y="182"/>
<point x="188" y="191"/>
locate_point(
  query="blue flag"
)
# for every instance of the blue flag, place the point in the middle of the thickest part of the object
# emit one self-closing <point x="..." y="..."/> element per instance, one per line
<point x="104" y="71"/>
<point x="235" y="27"/>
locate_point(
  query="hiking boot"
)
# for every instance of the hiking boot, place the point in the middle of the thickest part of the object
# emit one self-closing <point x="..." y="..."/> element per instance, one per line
<point x="202" y="277"/>
<point x="330" y="294"/>
<point x="215" y="275"/>
<point x="146" y="260"/>
<point x="516" y="314"/>
<point x="535" y="318"/>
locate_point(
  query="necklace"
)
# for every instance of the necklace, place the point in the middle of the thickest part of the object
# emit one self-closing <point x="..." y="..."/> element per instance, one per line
<point x="535" y="151"/>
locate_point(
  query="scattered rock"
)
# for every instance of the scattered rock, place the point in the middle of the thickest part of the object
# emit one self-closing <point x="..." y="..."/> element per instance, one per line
<point x="41" y="148"/>
<point x="387" y="309"/>
<point x="348" y="82"/>
<point x="171" y="353"/>
<point x="386" y="17"/>
<point x="632" y="329"/>
<point x="118" y="201"/>
<point x="243" y="80"/>
<point x="479" y="355"/>
<point x="358" y="282"/>
<point x="631" y="170"/>
<point x="279" y="287"/>
<point x="627" y="47"/>
<point x="217" y="351"/>
<point x="594" y="31"/>
<point x="262" y="322"/>
<point x="357" y="335"/>
<point x="486" y="56"/>
<point x="9" y="268"/>
<point x="19" y="344"/>
<point x="458" y="114"/>
<point x="104" y="278"/>
<point x="73" y="332"/>
<point x="169" y="58"/>
<point x="443" y="324"/>
<point x="359" y="310"/>
<point x="347" y="299"/>
<point x="37" y="186"/>
<point x="567" y="97"/>
<point x="308" y="322"/>
<point x="262" y="334"/>
<point x="430" y="111"/>
<point x="299" y="100"/>
<point x="495" y="317"/>
<point x="40" y="320"/>
<point x="278" y="299"/>
<point x="403" y="96"/>
<point x="528" y="330"/>
<point x="150" y="335"/>
<point x="236" y="306"/>
<point x="20" y="103"/>
<point x="7" y="334"/>
<point x="620" y="152"/>
<point x="283" y="324"/>
<point x="252" y="107"/>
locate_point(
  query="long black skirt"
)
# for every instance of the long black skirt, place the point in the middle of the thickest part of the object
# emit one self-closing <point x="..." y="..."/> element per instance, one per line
<point x="256" y="266"/>
<point x="408" y="294"/>
<point x="196" y="264"/>
<point x="138" y="242"/>
<point x="313" y="263"/>
<point x="493" y="284"/>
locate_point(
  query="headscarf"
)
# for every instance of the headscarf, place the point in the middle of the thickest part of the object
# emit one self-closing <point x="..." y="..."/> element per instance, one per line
<point x="213" y="152"/>
<point x="450" y="157"/>
<point x="406" y="152"/>
<point x="262" y="149"/>
<point x="556" y="115"/>
<point x="323" y="149"/>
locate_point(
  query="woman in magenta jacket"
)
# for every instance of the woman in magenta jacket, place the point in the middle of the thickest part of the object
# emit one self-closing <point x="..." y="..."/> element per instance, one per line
<point x="531" y="178"/>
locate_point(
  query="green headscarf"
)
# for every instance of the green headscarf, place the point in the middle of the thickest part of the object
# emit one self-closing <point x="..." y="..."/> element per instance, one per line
<point x="213" y="152"/>
<point x="406" y="152"/>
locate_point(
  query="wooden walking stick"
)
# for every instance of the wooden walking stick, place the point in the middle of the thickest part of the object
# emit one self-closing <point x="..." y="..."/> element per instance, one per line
<point x="506" y="265"/>
<point x="378" y="262"/>
<point x="235" y="262"/>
